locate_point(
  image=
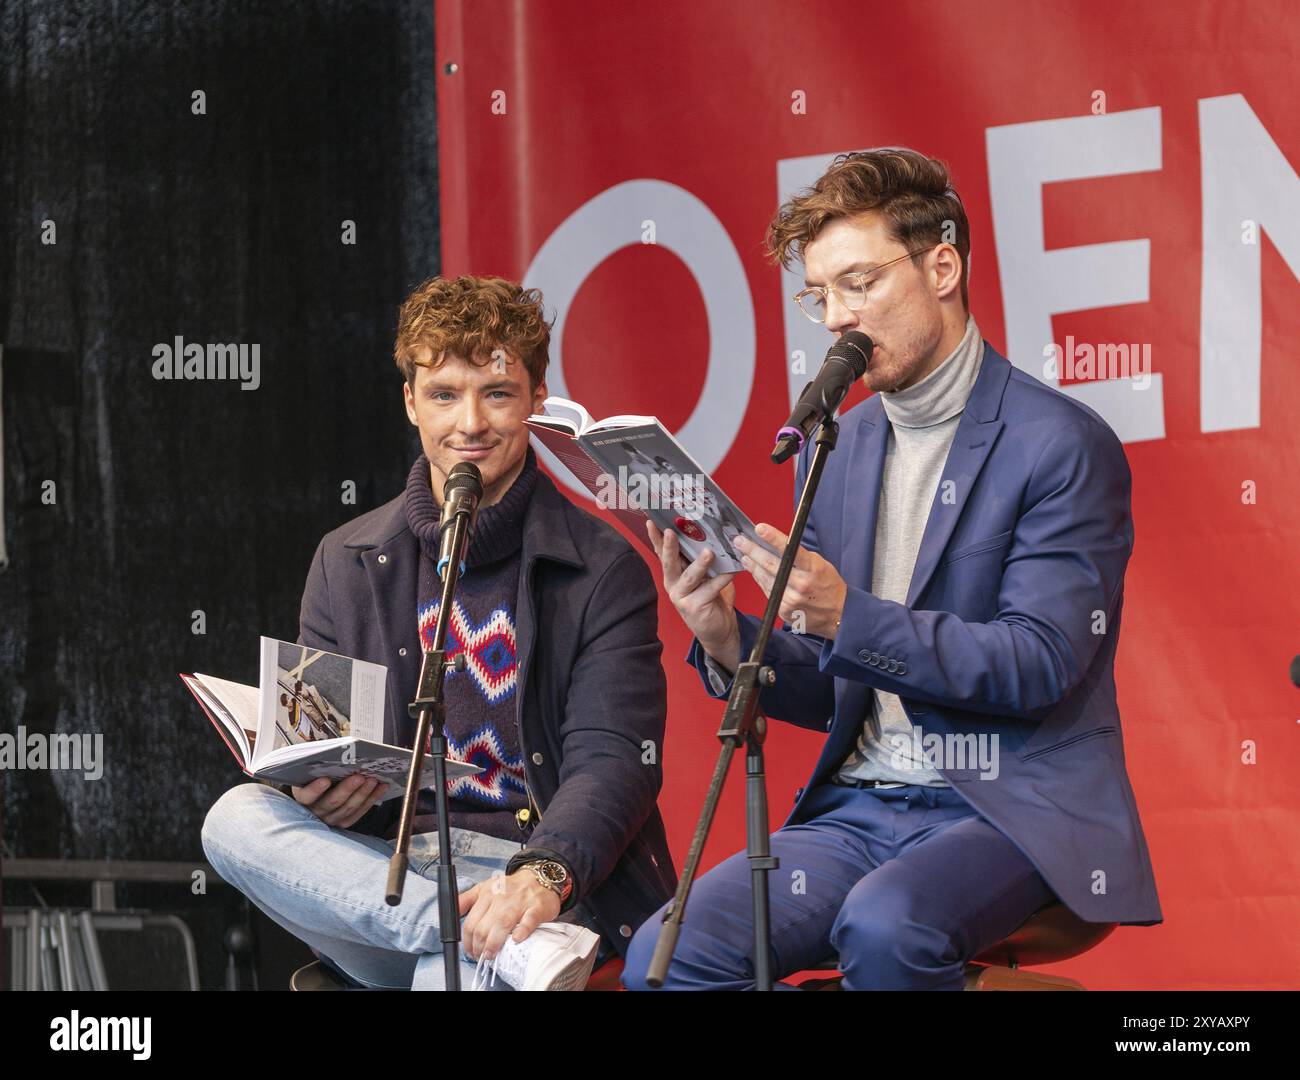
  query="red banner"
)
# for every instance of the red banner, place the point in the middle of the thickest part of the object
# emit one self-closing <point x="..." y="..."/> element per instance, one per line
<point x="1130" y="177"/>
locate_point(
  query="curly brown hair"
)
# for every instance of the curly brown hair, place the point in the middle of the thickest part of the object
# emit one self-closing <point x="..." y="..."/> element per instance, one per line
<point x="470" y="317"/>
<point x="912" y="192"/>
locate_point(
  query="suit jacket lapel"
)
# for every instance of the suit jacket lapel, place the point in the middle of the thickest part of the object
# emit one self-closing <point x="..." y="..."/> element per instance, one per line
<point x="865" y="472"/>
<point x="977" y="430"/>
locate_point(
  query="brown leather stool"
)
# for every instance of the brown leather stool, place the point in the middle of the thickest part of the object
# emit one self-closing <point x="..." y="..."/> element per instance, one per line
<point x="316" y="976"/>
<point x="1050" y="935"/>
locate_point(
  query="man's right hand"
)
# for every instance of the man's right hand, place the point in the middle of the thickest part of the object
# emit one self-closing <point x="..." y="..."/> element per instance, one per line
<point x="706" y="604"/>
<point x="340" y="803"/>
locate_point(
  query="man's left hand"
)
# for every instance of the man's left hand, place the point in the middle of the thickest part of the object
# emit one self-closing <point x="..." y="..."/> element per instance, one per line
<point x="506" y="905"/>
<point x="814" y="587"/>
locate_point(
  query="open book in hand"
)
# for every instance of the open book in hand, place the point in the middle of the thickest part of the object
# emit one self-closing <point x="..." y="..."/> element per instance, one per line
<point x="313" y="714"/>
<point x="637" y="470"/>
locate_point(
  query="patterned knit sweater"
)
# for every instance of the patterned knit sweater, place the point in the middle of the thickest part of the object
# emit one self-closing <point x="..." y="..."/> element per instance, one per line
<point x="481" y="721"/>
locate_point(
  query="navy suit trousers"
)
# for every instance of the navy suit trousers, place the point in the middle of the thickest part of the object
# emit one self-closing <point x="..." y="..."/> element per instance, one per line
<point x="905" y="885"/>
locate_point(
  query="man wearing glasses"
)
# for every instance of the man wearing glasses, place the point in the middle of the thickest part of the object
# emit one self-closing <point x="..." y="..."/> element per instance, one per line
<point x="957" y="598"/>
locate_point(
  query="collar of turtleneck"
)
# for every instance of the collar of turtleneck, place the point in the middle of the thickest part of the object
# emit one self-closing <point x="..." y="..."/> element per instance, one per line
<point x="942" y="394"/>
<point x="498" y="529"/>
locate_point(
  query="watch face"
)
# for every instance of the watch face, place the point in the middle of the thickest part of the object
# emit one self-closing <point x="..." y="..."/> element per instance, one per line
<point x="553" y="872"/>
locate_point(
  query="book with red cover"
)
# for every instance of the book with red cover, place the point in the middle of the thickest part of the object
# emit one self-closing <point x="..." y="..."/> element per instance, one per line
<point x="637" y="470"/>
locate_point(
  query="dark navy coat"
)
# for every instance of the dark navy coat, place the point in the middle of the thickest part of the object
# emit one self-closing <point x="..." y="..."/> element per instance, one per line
<point x="591" y="693"/>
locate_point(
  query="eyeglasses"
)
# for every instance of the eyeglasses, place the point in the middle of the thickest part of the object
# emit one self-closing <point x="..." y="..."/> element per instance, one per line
<point x="850" y="288"/>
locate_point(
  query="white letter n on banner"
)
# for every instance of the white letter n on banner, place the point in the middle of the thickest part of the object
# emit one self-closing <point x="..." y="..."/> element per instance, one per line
<point x="1244" y="178"/>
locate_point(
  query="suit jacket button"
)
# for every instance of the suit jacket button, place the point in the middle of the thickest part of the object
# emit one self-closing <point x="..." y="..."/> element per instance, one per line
<point x="875" y="659"/>
<point x="401" y="651"/>
<point x="864" y="656"/>
<point x="902" y="668"/>
<point x="892" y="665"/>
<point x="830" y="723"/>
<point x="537" y="759"/>
<point x="383" y="558"/>
<point x="625" y="930"/>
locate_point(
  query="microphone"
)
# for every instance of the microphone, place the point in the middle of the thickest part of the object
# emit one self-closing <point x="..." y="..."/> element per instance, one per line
<point x="460" y="496"/>
<point x="845" y="363"/>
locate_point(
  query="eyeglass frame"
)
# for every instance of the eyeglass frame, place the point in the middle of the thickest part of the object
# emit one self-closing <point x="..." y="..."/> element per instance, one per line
<point x="825" y="290"/>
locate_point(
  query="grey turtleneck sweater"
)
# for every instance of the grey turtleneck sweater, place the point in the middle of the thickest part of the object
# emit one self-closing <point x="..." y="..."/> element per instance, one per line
<point x="923" y="420"/>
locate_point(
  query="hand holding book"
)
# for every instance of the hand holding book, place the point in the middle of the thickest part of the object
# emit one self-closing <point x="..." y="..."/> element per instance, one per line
<point x="341" y="803"/>
<point x="706" y="604"/>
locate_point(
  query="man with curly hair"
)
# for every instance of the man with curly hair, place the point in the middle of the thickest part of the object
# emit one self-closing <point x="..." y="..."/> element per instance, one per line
<point x="562" y="702"/>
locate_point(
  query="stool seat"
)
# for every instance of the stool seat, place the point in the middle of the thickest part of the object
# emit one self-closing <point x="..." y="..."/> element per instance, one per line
<point x="1050" y="935"/>
<point x="316" y="976"/>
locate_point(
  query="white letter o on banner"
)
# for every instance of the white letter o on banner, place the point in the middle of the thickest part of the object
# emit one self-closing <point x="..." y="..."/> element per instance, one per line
<point x="612" y="221"/>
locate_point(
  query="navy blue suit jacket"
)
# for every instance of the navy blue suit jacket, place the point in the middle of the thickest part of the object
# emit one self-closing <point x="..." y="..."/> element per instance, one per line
<point x="1010" y="627"/>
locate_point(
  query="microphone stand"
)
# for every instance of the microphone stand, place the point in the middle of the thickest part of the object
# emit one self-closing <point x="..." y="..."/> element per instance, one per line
<point x="743" y="722"/>
<point x="429" y="712"/>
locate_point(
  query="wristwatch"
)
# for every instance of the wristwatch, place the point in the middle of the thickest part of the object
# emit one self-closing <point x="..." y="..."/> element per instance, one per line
<point x="552" y="875"/>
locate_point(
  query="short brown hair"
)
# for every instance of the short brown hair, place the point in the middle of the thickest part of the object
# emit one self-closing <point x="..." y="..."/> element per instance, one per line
<point x="470" y="317"/>
<point x="910" y="190"/>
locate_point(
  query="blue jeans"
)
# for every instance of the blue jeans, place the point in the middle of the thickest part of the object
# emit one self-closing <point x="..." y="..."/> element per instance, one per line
<point x="326" y="885"/>
<point x="904" y="885"/>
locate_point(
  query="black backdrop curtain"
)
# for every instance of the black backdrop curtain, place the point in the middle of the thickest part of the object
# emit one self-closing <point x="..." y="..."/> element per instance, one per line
<point x="176" y="497"/>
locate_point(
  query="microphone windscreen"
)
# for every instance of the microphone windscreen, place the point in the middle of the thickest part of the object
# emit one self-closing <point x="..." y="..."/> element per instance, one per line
<point x="855" y="349"/>
<point x="464" y="474"/>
